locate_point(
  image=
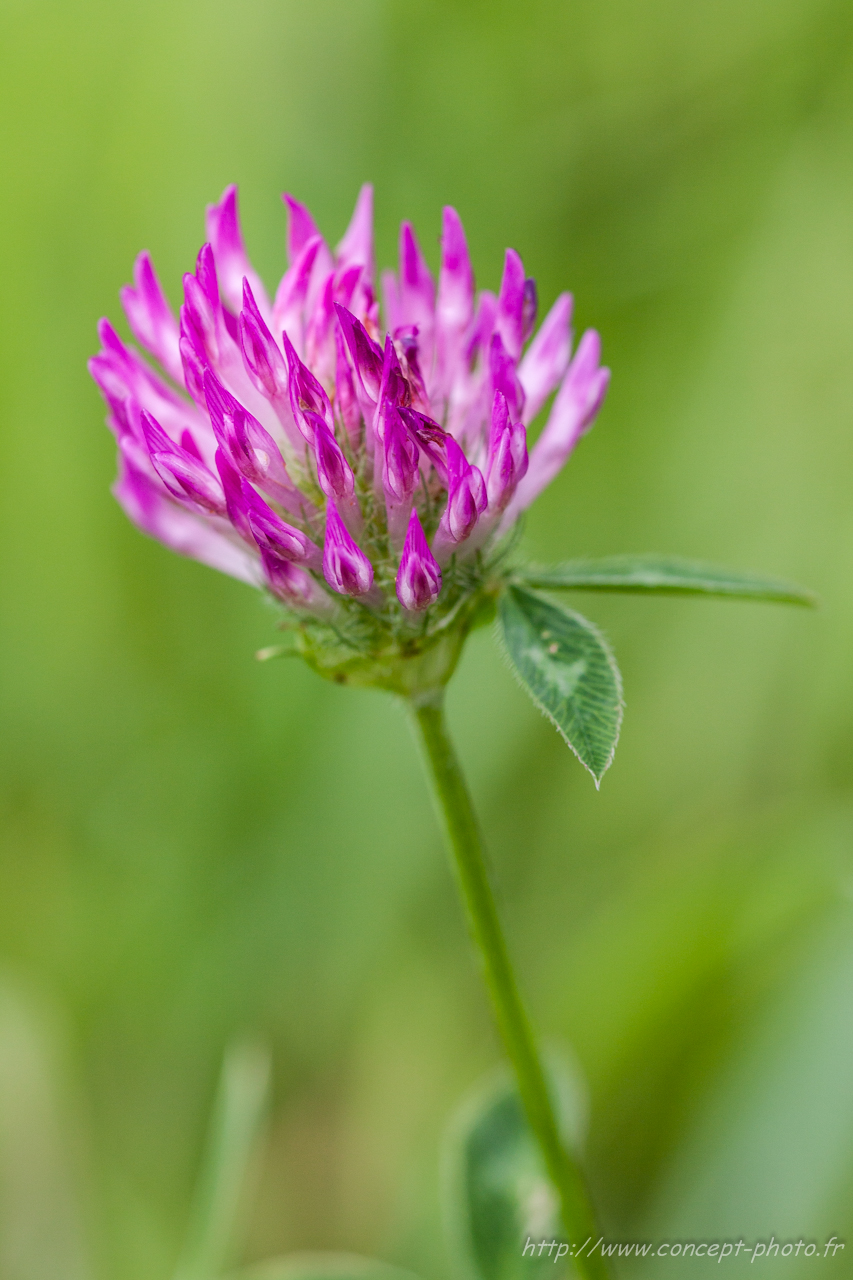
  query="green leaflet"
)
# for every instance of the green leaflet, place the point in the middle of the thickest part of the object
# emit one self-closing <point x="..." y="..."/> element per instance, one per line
<point x="667" y="575"/>
<point x="497" y="1195"/>
<point x="569" y="672"/>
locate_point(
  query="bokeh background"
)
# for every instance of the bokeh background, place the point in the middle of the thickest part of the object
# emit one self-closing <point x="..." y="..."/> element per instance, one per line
<point x="197" y="847"/>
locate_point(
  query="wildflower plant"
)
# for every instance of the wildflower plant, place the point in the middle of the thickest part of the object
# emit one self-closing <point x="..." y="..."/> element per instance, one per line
<point x="367" y="467"/>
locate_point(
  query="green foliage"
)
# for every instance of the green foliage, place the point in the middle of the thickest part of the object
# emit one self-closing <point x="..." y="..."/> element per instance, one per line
<point x="220" y="1201"/>
<point x="224" y="1184"/>
<point x="569" y="672"/>
<point x="664" y="575"/>
<point x="497" y="1193"/>
<point x="322" y="1266"/>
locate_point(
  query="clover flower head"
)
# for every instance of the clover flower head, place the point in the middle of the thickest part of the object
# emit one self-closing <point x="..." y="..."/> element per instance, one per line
<point x="365" y="472"/>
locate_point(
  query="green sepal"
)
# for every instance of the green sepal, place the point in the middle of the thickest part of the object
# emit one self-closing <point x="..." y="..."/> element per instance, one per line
<point x="565" y="665"/>
<point x="666" y="575"/>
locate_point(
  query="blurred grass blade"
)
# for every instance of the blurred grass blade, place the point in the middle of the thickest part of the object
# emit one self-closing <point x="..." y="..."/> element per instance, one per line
<point x="41" y="1234"/>
<point x="321" y="1266"/>
<point x="568" y="670"/>
<point x="497" y="1193"/>
<point x="667" y="575"/>
<point x="219" y="1198"/>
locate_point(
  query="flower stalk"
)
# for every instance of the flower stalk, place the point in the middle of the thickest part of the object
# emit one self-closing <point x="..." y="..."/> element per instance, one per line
<point x="465" y="845"/>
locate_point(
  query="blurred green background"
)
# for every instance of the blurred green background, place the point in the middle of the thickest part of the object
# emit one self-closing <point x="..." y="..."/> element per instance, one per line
<point x="197" y="847"/>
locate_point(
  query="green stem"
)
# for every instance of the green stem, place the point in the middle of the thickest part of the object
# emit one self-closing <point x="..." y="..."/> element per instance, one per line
<point x="463" y="837"/>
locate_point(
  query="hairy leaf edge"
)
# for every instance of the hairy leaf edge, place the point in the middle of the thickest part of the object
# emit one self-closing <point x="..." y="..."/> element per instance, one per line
<point x="608" y="653"/>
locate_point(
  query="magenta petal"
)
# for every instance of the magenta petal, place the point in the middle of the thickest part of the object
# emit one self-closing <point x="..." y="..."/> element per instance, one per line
<point x="416" y="295"/>
<point x="275" y="536"/>
<point x="209" y="335"/>
<point x="572" y="413"/>
<point x="205" y="274"/>
<point x="346" y="402"/>
<point x="454" y="308"/>
<point x="400" y="473"/>
<point x="181" y="530"/>
<point x="413" y="354"/>
<point x="250" y="448"/>
<point x="307" y="395"/>
<point x="400" y="462"/>
<point x="391" y="302"/>
<point x="265" y="364"/>
<point x="291" y="584"/>
<point x="466" y="501"/>
<point x="507" y="461"/>
<point x="393" y="386"/>
<point x="232" y="262"/>
<point x="320" y="345"/>
<point x="183" y="474"/>
<point x="188" y="443"/>
<point x="356" y="248"/>
<point x="511" y="299"/>
<point x="150" y="317"/>
<point x="235" y="502"/>
<point x="131" y="368"/>
<point x="455" y="304"/>
<point x="334" y="473"/>
<point x="529" y="308"/>
<point x="419" y="575"/>
<point x="256" y="522"/>
<point x="464" y="505"/>
<point x="201" y="324"/>
<point x="503" y="376"/>
<point x="123" y="377"/>
<point x="367" y="358"/>
<point x="547" y="358"/>
<point x="301" y="227"/>
<point x="417" y="287"/>
<point x="345" y="566"/>
<point x="193" y="361"/>
<point x="292" y="294"/>
<point x="433" y="443"/>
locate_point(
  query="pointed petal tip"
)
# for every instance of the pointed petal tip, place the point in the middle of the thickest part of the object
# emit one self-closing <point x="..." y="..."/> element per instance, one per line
<point x="589" y="348"/>
<point x="364" y="200"/>
<point x="418" y="582"/>
<point x="143" y="267"/>
<point x="356" y="245"/>
<point x="221" y="220"/>
<point x="513" y="263"/>
<point x="300" y="226"/>
<point x="453" y="238"/>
